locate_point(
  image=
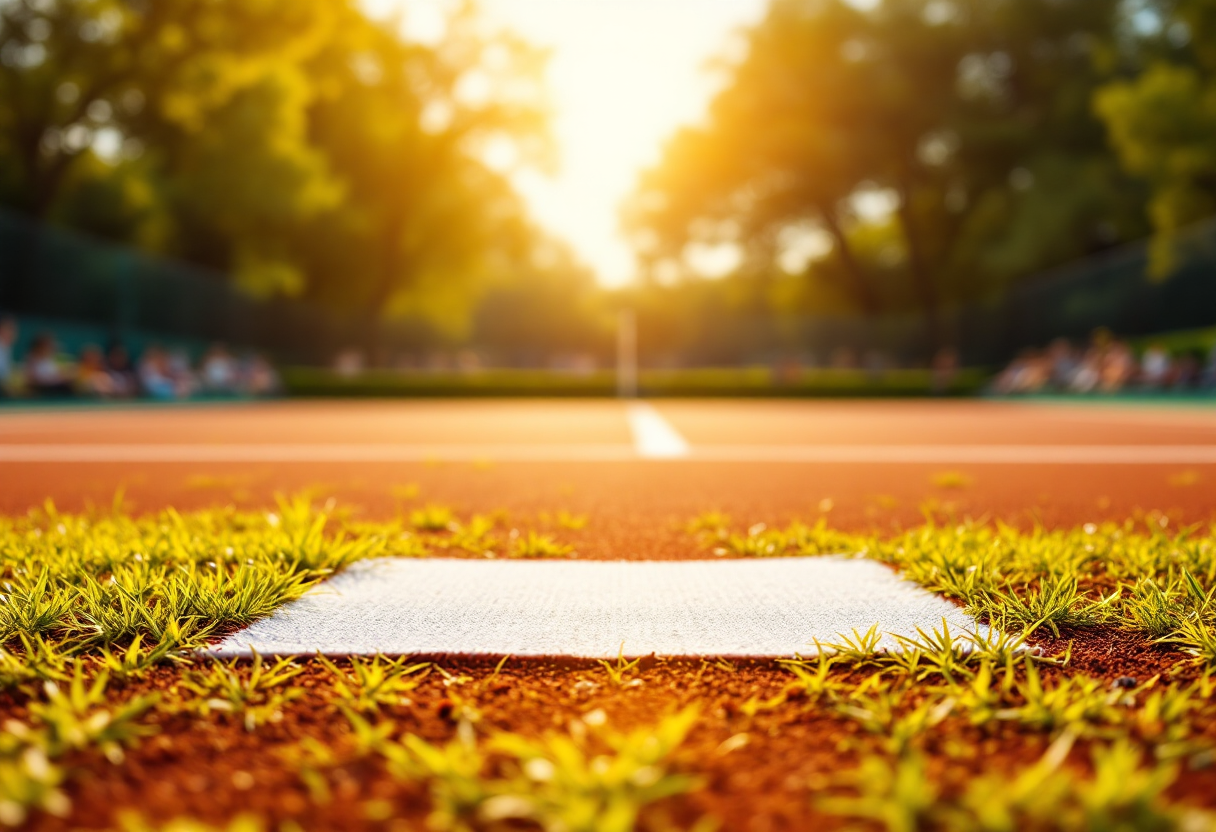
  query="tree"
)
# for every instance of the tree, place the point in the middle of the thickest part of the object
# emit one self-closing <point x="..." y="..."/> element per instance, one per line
<point x="407" y="129"/>
<point x="969" y="118"/>
<point x="298" y="145"/>
<point x="1163" y="123"/>
<point x="201" y="103"/>
<point x="778" y="149"/>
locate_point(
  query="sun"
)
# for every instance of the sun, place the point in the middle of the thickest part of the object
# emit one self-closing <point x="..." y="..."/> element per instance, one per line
<point x="624" y="74"/>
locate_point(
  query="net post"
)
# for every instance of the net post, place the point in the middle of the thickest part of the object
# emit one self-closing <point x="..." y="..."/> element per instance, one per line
<point x="626" y="354"/>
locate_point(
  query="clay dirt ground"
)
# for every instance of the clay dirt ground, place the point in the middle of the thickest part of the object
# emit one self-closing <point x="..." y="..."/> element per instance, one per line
<point x="526" y="458"/>
<point x="529" y="456"/>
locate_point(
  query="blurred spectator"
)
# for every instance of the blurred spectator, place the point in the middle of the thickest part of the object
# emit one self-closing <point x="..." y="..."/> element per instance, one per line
<point x="260" y="377"/>
<point x="1118" y="367"/>
<point x="123" y="379"/>
<point x="92" y="378"/>
<point x="155" y="377"/>
<point x="1028" y="373"/>
<point x="177" y="364"/>
<point x="1006" y="381"/>
<point x="1064" y="363"/>
<point x="1156" y="367"/>
<point x="219" y="371"/>
<point x="8" y="336"/>
<point x="43" y="375"/>
<point x="159" y="374"/>
<point x="1089" y="371"/>
<point x="1108" y="365"/>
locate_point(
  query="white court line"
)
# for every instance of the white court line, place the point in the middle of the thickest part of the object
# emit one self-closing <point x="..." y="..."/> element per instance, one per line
<point x="653" y="436"/>
<point x="986" y="454"/>
<point x="322" y="452"/>
<point x="652" y="449"/>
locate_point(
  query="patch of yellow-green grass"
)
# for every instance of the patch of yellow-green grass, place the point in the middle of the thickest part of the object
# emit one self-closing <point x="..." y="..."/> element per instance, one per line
<point x="92" y="600"/>
<point x="952" y="480"/>
<point x="1135" y="576"/>
<point x="589" y="778"/>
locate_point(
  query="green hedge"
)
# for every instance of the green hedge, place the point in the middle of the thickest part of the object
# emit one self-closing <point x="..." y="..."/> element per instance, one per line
<point x="757" y="381"/>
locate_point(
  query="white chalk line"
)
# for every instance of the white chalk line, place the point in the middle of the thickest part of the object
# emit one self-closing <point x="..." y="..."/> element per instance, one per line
<point x="653" y="436"/>
<point x="651" y="449"/>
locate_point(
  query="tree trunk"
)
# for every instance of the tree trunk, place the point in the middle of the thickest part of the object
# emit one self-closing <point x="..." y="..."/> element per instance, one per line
<point x="393" y="263"/>
<point x="922" y="279"/>
<point x="860" y="283"/>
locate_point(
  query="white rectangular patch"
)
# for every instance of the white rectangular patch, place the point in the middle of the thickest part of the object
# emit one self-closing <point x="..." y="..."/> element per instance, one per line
<point x="764" y="607"/>
<point x="653" y="436"/>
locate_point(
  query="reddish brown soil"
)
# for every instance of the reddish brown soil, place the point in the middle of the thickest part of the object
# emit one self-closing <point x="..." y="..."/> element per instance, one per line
<point x="639" y="510"/>
<point x="211" y="769"/>
<point x="637" y="507"/>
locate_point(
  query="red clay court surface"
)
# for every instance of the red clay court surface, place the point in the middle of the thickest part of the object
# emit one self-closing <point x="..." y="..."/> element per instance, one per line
<point x="862" y="464"/>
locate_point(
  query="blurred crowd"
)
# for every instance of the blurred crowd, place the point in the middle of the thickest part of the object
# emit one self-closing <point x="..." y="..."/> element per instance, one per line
<point x="1106" y="365"/>
<point x="114" y="373"/>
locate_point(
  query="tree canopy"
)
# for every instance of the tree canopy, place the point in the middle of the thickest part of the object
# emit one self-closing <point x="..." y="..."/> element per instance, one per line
<point x="299" y="145"/>
<point x="1162" y="119"/>
<point x="865" y="160"/>
<point x="920" y="152"/>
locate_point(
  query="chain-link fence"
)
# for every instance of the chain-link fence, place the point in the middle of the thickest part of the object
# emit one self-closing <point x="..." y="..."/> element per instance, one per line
<point x="1111" y="290"/>
<point x="55" y="274"/>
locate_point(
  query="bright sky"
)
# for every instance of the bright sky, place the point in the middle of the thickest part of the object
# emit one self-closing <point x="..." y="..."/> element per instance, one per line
<point x="624" y="74"/>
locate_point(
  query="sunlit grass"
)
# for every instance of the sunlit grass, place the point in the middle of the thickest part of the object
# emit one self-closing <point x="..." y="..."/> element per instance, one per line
<point x="1132" y="575"/>
<point x="92" y="602"/>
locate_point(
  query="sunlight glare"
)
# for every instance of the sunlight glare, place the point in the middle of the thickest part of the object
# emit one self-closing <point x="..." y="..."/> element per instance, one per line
<point x="623" y="75"/>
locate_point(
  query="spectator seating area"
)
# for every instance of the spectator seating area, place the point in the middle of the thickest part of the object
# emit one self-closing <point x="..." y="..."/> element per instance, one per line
<point x="1107" y="365"/>
<point x="44" y="372"/>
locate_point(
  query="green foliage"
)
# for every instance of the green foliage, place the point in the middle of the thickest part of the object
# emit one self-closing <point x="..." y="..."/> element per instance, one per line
<point x="433" y="518"/>
<point x="533" y="544"/>
<point x="1196" y="637"/>
<point x="879" y="714"/>
<point x="1151" y="609"/>
<point x="1121" y="794"/>
<point x="971" y="121"/>
<point x="759" y="381"/>
<point x="1192" y="613"/>
<point x="1056" y="602"/>
<point x="29" y="781"/>
<point x="1161" y="123"/>
<point x="80" y="717"/>
<point x="37" y="660"/>
<point x="621" y="670"/>
<point x="256" y="694"/>
<point x="898" y="795"/>
<point x="134" y="593"/>
<point x="132" y="822"/>
<point x="32" y="607"/>
<point x="302" y="145"/>
<point x="141" y="590"/>
<point x="591" y="779"/>
<point x="458" y="790"/>
<point x="1131" y="575"/>
<point x="565" y="785"/>
<point x="77" y="716"/>
<point x="375" y="682"/>
<point x="475" y="536"/>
